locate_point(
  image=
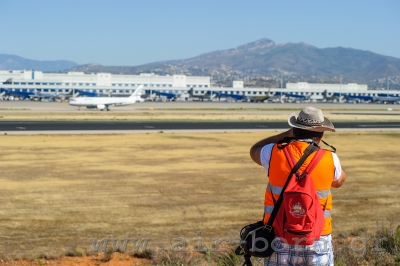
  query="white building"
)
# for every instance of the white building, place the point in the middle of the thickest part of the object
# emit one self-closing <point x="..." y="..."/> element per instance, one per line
<point x="105" y="83"/>
<point x="313" y="92"/>
<point x="110" y="84"/>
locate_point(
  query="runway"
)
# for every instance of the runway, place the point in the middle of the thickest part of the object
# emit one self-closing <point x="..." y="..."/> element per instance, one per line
<point x="110" y="125"/>
<point x="35" y="127"/>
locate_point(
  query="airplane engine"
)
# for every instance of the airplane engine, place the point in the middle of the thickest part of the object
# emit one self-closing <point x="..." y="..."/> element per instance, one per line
<point x="101" y="107"/>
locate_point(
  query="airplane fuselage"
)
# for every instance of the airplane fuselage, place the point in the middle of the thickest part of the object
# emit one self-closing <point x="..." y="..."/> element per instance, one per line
<point x="101" y="102"/>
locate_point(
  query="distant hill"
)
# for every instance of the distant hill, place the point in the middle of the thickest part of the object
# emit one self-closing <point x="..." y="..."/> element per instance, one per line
<point x="260" y="63"/>
<point x="14" y="62"/>
<point x="296" y="61"/>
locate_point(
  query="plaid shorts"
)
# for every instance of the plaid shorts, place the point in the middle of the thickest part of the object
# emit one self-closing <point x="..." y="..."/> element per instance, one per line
<point x="318" y="254"/>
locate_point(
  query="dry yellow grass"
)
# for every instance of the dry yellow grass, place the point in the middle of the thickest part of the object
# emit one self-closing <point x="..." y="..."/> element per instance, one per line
<point x="57" y="191"/>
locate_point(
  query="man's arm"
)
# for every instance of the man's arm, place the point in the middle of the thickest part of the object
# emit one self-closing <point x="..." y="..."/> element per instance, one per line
<point x="338" y="183"/>
<point x="256" y="148"/>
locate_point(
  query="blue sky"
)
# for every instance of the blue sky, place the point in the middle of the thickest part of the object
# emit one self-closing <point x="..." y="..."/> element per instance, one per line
<point x="123" y="32"/>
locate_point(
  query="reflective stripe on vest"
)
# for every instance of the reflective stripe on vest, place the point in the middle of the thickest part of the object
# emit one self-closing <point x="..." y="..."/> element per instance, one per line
<point x="268" y="209"/>
<point x="322" y="194"/>
<point x="327" y="214"/>
<point x="274" y="189"/>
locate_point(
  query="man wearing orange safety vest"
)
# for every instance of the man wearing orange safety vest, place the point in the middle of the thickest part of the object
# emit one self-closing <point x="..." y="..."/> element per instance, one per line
<point x="307" y="127"/>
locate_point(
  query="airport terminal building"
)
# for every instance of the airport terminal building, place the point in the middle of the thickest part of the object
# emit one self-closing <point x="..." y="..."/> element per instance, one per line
<point x="104" y="83"/>
<point x="107" y="84"/>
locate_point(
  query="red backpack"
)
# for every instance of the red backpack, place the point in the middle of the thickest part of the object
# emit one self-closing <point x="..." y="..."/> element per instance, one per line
<point x="300" y="219"/>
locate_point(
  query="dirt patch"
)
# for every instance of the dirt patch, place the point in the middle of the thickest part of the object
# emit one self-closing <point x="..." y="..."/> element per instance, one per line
<point x="95" y="260"/>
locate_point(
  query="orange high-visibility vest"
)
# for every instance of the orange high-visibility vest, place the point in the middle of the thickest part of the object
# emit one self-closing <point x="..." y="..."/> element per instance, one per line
<point x="322" y="176"/>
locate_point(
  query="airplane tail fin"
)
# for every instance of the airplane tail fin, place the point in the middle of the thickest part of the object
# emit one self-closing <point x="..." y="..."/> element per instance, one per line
<point x="137" y="91"/>
<point x="191" y="92"/>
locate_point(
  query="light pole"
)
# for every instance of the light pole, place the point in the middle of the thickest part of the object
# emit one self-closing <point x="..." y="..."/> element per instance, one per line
<point x="340" y="97"/>
<point x="151" y="88"/>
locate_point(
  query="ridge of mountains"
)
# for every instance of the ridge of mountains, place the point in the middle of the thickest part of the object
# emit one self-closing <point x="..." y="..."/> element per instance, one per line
<point x="262" y="62"/>
<point x="15" y="62"/>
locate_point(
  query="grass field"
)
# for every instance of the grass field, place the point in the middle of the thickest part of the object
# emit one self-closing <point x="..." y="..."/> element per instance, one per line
<point x="58" y="191"/>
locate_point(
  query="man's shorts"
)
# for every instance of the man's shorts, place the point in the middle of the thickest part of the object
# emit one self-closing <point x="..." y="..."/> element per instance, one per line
<point x="319" y="254"/>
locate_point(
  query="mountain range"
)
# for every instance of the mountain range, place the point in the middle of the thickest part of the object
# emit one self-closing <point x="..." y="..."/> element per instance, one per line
<point x="260" y="60"/>
<point x="15" y="62"/>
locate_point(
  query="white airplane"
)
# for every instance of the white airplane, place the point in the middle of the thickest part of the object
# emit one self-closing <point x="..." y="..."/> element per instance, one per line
<point x="102" y="103"/>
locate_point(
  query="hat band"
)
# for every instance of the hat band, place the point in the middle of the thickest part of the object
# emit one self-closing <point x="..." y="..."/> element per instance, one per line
<point x="308" y="122"/>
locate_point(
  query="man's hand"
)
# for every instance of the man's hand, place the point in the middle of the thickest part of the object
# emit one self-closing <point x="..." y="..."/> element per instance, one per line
<point x="255" y="150"/>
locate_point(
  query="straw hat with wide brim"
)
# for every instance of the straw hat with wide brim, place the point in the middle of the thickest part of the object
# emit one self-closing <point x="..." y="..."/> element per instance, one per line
<point x="311" y="119"/>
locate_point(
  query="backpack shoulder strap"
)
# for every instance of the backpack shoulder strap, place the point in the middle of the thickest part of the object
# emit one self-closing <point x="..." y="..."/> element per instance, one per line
<point x="315" y="160"/>
<point x="289" y="156"/>
<point x="310" y="167"/>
